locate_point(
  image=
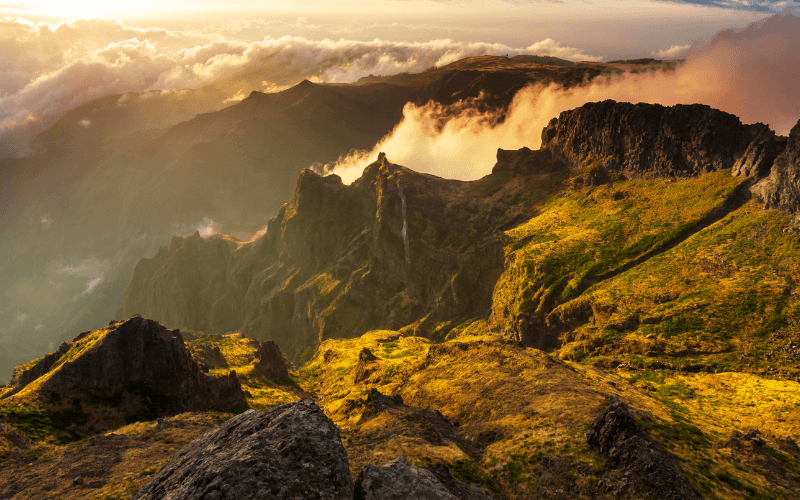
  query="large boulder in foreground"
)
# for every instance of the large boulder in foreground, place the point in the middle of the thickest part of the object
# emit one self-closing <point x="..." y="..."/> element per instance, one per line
<point x="399" y="480"/>
<point x="140" y="356"/>
<point x="292" y="451"/>
<point x="636" y="465"/>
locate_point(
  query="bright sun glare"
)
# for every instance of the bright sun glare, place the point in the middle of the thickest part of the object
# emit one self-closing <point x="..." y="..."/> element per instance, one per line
<point x="80" y="8"/>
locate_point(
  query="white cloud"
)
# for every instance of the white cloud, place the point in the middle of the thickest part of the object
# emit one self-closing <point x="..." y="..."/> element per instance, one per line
<point x="674" y="52"/>
<point x="51" y="68"/>
<point x="550" y="47"/>
<point x="751" y="73"/>
<point x="91" y="285"/>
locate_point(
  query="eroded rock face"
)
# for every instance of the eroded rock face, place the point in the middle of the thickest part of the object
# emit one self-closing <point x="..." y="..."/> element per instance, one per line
<point x="781" y="189"/>
<point x="24" y="376"/>
<point x="635" y="464"/>
<point x="399" y="480"/>
<point x="650" y="140"/>
<point x="270" y="363"/>
<point x="292" y="451"/>
<point x="142" y="354"/>
<point x="395" y="249"/>
<point x="208" y="356"/>
<point x="365" y="365"/>
<point x="460" y="489"/>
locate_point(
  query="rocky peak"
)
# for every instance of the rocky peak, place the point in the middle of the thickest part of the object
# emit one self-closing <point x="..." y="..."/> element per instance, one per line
<point x="292" y="451"/>
<point x="270" y="362"/>
<point x="636" y="466"/>
<point x="650" y="140"/>
<point x="338" y="259"/>
<point x="140" y="355"/>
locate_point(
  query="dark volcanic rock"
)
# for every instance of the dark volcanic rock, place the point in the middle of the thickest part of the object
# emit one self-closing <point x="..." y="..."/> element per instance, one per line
<point x="292" y="451"/>
<point x="460" y="489"/>
<point x="635" y="465"/>
<point x="650" y="140"/>
<point x="376" y="402"/>
<point x="209" y="356"/>
<point x="399" y="480"/>
<point x="142" y="355"/>
<point x="526" y="162"/>
<point x="781" y="189"/>
<point x="365" y="365"/>
<point x="23" y="377"/>
<point x="396" y="249"/>
<point x="270" y="363"/>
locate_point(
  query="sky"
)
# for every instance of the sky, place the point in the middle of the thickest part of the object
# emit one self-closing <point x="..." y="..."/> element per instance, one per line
<point x="55" y="55"/>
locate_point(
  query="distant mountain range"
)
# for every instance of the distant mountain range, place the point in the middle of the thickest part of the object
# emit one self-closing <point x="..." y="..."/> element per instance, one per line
<point x="114" y="179"/>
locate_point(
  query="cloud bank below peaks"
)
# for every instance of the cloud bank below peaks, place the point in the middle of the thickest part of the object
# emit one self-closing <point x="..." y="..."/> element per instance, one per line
<point x="751" y="73"/>
<point x="51" y="68"/>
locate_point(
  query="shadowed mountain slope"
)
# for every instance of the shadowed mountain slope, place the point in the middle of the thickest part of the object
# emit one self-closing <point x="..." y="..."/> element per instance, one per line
<point x="394" y="249"/>
<point x="114" y="179"/>
<point x="530" y="248"/>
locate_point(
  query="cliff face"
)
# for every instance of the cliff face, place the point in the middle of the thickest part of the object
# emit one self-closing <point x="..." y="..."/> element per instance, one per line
<point x="396" y="249"/>
<point x="781" y="188"/>
<point x="407" y="251"/>
<point x="653" y="141"/>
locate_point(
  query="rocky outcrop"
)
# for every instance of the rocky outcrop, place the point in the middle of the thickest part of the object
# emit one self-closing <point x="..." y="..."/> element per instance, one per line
<point x="269" y="362"/>
<point x="140" y="355"/>
<point x="24" y="376"/>
<point x="376" y="403"/>
<point x="651" y="141"/>
<point x="781" y="189"/>
<point x="395" y="250"/>
<point x="207" y="356"/>
<point x="635" y="465"/>
<point x="292" y="451"/>
<point x="399" y="480"/>
<point x="526" y="162"/>
<point x="365" y="367"/>
<point x="460" y="489"/>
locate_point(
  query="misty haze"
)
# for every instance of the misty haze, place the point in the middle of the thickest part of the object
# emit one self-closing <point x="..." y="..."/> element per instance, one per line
<point x="476" y="250"/>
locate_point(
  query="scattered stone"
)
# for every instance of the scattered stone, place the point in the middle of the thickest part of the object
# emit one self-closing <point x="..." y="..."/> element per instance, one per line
<point x="377" y="402"/>
<point x="292" y="451"/>
<point x="460" y="489"/>
<point x="399" y="480"/>
<point x="13" y="437"/>
<point x="636" y="465"/>
<point x="77" y="481"/>
<point x="208" y="355"/>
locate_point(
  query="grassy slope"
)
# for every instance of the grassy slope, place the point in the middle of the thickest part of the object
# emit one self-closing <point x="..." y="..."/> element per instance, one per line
<point x="655" y="296"/>
<point x="661" y="284"/>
